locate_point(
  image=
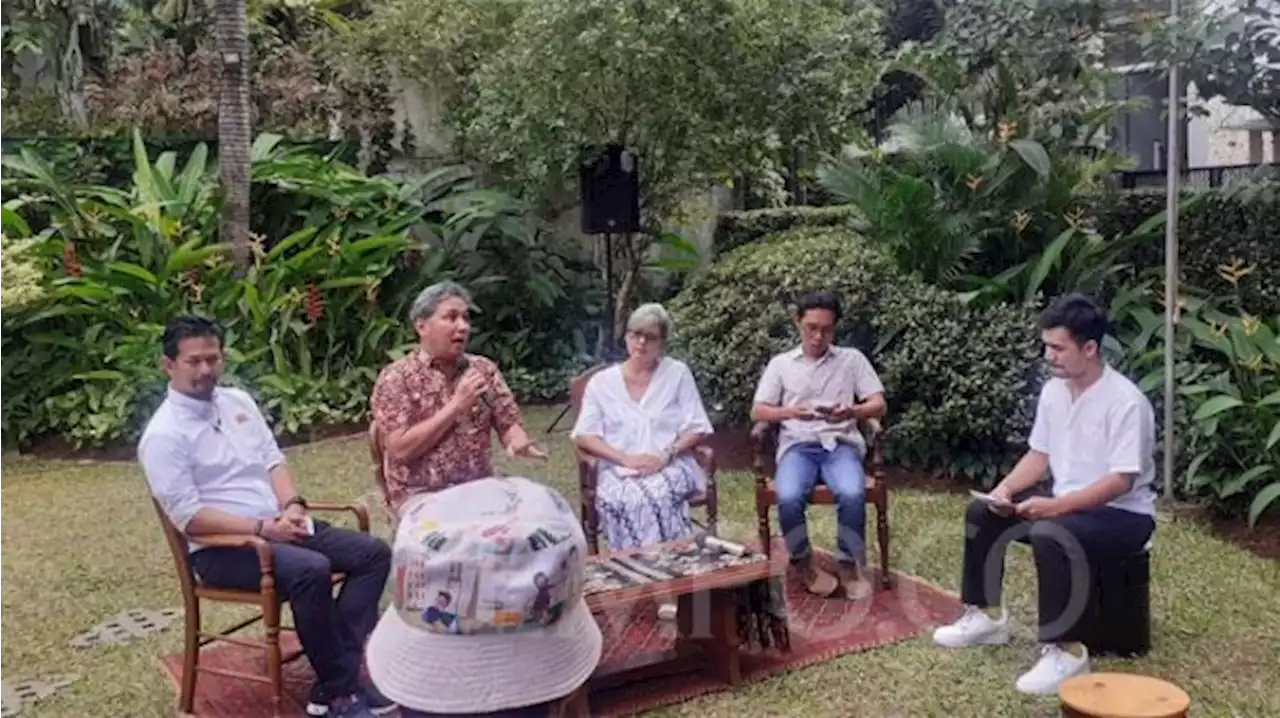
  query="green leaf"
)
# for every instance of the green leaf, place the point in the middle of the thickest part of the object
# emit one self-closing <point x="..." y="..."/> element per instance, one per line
<point x="100" y="375"/>
<point x="14" y="225"/>
<point x="1260" y="503"/>
<point x="1274" y="437"/>
<point x="1047" y="262"/>
<point x="1269" y="399"/>
<point x="1034" y="154"/>
<point x="1239" y="483"/>
<point x="1215" y="406"/>
<point x="134" y="270"/>
<point x="346" y="282"/>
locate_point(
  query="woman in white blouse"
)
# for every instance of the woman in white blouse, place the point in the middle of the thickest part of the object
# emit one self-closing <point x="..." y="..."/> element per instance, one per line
<point x="641" y="418"/>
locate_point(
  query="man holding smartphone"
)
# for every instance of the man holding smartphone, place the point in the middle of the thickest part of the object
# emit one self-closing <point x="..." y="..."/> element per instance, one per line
<point x="818" y="392"/>
<point x="1094" y="435"/>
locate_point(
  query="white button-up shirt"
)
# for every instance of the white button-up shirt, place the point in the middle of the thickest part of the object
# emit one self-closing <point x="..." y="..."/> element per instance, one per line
<point x="214" y="454"/>
<point x="1109" y="428"/>
<point x="843" y="375"/>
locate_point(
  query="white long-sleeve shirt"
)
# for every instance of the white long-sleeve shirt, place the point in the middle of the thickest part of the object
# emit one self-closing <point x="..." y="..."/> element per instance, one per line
<point x="214" y="454"/>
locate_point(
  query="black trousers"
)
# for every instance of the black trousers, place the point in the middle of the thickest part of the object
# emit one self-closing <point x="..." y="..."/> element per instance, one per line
<point x="332" y="632"/>
<point x="1065" y="549"/>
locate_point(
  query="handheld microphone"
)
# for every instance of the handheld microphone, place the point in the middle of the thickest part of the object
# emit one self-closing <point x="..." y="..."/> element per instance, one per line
<point x="463" y="365"/>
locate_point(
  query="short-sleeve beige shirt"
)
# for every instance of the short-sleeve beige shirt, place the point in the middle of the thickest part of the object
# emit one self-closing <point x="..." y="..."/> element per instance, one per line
<point x="843" y="375"/>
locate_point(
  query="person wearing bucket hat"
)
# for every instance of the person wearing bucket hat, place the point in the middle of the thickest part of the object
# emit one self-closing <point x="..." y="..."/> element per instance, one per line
<point x="488" y="615"/>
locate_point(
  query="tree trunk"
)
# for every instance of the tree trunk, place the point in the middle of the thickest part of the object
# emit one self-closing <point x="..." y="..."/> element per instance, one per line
<point x="235" y="127"/>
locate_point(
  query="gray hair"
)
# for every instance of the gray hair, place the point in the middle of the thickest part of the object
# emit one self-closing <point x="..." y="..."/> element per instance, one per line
<point x="429" y="299"/>
<point x="652" y="314"/>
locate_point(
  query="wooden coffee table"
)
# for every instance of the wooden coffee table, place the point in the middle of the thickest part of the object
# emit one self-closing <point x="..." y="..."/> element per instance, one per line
<point x="707" y="622"/>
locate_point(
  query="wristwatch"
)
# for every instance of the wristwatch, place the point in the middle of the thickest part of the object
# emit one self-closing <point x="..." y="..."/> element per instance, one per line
<point x="295" y="500"/>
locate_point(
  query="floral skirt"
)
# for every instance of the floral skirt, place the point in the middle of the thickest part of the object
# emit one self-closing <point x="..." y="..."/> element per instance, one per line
<point x="644" y="510"/>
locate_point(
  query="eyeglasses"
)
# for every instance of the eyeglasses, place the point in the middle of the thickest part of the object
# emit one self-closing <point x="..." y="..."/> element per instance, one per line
<point x="644" y="336"/>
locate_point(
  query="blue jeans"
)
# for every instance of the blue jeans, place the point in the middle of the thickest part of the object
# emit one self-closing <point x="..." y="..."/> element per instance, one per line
<point x="841" y="470"/>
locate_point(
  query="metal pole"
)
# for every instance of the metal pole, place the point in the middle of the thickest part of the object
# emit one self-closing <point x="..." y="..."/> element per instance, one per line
<point x="610" y="311"/>
<point x="1171" y="266"/>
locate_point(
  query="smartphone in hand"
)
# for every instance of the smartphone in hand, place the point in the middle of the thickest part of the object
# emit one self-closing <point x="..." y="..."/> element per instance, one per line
<point x="989" y="499"/>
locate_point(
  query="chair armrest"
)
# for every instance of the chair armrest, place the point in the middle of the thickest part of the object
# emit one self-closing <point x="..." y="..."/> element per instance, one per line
<point x="873" y="432"/>
<point x="266" y="557"/>
<point x="706" y="458"/>
<point x="361" y="513"/>
<point x="764" y="437"/>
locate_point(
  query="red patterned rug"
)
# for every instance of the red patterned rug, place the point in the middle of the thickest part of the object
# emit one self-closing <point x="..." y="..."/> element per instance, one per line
<point x="821" y="629"/>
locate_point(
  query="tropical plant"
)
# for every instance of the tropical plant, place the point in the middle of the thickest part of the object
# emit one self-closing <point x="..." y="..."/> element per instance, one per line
<point x="1227" y="375"/>
<point x="319" y="308"/>
<point x="954" y="205"/>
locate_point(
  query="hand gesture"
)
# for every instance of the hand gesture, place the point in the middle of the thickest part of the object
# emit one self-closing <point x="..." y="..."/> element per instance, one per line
<point x="283" y="530"/>
<point x="469" y="389"/>
<point x="1039" y="507"/>
<point x="803" y="413"/>
<point x="529" y="450"/>
<point x="645" y="464"/>
<point x="842" y="412"/>
<point x="1006" y="506"/>
<point x="295" y="515"/>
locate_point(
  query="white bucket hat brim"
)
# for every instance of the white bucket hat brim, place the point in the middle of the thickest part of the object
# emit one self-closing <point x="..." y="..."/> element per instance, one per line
<point x="441" y="673"/>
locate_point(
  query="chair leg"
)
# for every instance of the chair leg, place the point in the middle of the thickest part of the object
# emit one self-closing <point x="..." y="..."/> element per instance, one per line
<point x="762" y="518"/>
<point x="577" y="705"/>
<point x="190" y="659"/>
<point x="882" y="537"/>
<point x="271" y="619"/>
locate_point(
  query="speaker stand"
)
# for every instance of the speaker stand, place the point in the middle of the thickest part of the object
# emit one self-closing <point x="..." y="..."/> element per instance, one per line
<point x="608" y="346"/>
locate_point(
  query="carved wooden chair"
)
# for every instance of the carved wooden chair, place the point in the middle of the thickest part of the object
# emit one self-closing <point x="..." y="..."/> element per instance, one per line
<point x="764" y="437"/>
<point x="265" y="598"/>
<point x="588" y="473"/>
<point x="379" y="471"/>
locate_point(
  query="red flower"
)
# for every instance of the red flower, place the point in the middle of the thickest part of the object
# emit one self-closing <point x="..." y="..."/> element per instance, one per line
<point x="70" y="262"/>
<point x="315" y="303"/>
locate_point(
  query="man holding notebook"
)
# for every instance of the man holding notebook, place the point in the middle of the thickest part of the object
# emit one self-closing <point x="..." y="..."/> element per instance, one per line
<point x="1094" y="435"/>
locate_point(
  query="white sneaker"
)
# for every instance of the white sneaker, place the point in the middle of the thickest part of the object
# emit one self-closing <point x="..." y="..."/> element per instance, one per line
<point x="1054" y="667"/>
<point x="667" y="612"/>
<point x="974" y="628"/>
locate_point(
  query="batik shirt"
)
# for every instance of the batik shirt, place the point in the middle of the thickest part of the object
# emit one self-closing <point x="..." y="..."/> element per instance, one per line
<point x="411" y="390"/>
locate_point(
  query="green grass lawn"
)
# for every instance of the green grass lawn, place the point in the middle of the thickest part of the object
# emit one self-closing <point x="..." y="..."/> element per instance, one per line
<point x="81" y="544"/>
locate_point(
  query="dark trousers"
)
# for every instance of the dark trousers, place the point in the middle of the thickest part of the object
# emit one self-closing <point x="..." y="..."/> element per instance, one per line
<point x="332" y="632"/>
<point x="1065" y="550"/>
<point x="538" y="711"/>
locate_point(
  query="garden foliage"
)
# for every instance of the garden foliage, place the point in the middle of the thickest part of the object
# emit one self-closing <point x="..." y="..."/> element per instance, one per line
<point x="321" y="307"/>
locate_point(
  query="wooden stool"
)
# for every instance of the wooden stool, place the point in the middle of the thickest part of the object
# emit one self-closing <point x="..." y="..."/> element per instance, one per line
<point x="1121" y="695"/>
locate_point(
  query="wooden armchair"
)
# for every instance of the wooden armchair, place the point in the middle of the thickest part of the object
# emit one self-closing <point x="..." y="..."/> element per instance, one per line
<point x="764" y="437"/>
<point x="379" y="471"/>
<point x="265" y="598"/>
<point x="588" y="473"/>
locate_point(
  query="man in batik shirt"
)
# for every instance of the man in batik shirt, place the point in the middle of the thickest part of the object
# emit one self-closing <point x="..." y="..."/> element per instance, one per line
<point x="437" y="407"/>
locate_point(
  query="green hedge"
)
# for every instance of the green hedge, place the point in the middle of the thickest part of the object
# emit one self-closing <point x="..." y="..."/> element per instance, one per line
<point x="1227" y="225"/>
<point x="735" y="229"/>
<point x="959" y="382"/>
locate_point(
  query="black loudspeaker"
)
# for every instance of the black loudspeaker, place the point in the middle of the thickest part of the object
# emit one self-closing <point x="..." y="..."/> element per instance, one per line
<point x="610" y="187"/>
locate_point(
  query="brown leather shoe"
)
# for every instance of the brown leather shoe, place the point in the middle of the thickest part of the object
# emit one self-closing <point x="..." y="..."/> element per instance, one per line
<point x="817" y="581"/>
<point x="856" y="586"/>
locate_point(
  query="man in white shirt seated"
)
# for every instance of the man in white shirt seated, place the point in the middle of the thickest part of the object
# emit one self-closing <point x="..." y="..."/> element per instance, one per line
<point x="215" y="468"/>
<point x="1094" y="434"/>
